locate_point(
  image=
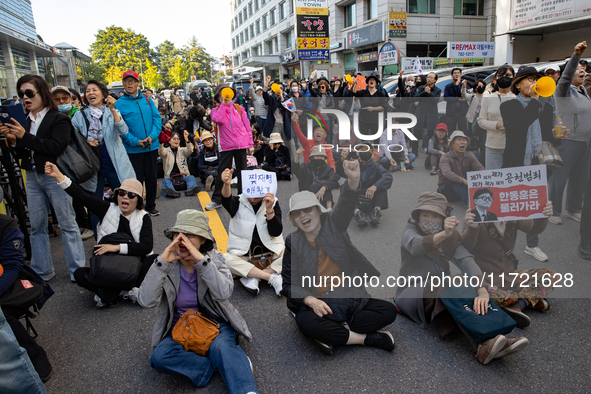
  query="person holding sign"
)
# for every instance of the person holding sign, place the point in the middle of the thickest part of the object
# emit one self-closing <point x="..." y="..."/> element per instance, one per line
<point x="255" y="240"/>
<point x="512" y="289"/>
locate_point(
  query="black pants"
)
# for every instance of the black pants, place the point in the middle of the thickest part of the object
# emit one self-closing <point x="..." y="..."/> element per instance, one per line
<point x="380" y="199"/>
<point x="82" y="217"/>
<point x="456" y="122"/>
<point x="239" y="157"/>
<point x="20" y="332"/>
<point x="375" y="315"/>
<point x="146" y="170"/>
<point x="109" y="295"/>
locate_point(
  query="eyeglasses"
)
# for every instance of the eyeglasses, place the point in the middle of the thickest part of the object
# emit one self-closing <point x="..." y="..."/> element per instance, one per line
<point x="122" y="193"/>
<point x="189" y="236"/>
<point x="295" y="214"/>
<point x="485" y="198"/>
<point x="532" y="78"/>
<point x="30" y="93"/>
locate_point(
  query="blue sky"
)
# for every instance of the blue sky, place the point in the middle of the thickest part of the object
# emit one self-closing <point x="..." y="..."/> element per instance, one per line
<point x="76" y="22"/>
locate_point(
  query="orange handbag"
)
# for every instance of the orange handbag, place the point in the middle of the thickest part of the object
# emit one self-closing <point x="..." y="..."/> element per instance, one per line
<point x="195" y="332"/>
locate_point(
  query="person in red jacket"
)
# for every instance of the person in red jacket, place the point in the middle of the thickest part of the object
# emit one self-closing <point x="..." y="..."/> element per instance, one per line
<point x="319" y="138"/>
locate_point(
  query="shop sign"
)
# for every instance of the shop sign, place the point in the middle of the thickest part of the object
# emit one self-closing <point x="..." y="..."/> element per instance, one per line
<point x="397" y="21"/>
<point x="289" y="57"/>
<point x="408" y="63"/>
<point x="366" y="35"/>
<point x="367" y="57"/>
<point x="312" y="31"/>
<point x="470" y="49"/>
<point x="388" y="55"/>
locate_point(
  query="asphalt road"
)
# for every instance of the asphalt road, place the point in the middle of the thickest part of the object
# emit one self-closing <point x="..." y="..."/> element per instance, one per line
<point x="108" y="350"/>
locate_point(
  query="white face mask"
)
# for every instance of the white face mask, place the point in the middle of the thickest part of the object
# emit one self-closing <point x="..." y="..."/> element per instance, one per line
<point x="410" y="83"/>
<point x="295" y="89"/>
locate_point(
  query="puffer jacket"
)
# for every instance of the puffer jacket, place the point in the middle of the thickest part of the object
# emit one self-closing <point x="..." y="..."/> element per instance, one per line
<point x="308" y="174"/>
<point x="233" y="128"/>
<point x="168" y="158"/>
<point x="301" y="259"/>
<point x="214" y="288"/>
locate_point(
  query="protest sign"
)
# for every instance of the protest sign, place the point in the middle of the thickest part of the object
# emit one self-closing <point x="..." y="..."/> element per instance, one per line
<point x="505" y="194"/>
<point x="257" y="183"/>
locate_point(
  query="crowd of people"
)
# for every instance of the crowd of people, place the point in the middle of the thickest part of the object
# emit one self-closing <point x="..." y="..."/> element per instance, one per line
<point x="205" y="143"/>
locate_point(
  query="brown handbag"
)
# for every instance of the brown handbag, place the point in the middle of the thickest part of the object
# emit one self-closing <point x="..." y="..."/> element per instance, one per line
<point x="262" y="260"/>
<point x="195" y="332"/>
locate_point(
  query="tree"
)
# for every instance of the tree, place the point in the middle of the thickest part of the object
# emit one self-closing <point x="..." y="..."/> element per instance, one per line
<point x="197" y="59"/>
<point x="95" y="71"/>
<point x="151" y="76"/>
<point x="164" y="57"/>
<point x="179" y="72"/>
<point x="113" y="74"/>
<point x="118" y="49"/>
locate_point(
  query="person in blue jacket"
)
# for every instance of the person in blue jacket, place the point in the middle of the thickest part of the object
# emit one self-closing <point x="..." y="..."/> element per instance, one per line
<point x="144" y="123"/>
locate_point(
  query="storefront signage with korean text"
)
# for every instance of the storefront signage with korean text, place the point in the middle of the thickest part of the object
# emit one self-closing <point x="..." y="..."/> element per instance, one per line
<point x="527" y="13"/>
<point x="367" y="57"/>
<point x="388" y="55"/>
<point x="311" y="7"/>
<point x="365" y="36"/>
<point x="397" y="21"/>
<point x="312" y="31"/>
<point x="470" y="49"/>
<point x="408" y="63"/>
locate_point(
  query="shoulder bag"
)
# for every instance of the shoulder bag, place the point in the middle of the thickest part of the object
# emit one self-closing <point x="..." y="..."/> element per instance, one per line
<point x="195" y="332"/>
<point x="261" y="260"/>
<point x="550" y="156"/>
<point x="78" y="161"/>
<point x="114" y="270"/>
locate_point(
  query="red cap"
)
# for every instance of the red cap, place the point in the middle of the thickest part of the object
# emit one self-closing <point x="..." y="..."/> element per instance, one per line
<point x="130" y="73"/>
<point x="441" y="126"/>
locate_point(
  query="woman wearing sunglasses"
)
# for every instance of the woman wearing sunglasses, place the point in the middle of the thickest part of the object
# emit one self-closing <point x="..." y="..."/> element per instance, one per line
<point x="126" y="215"/>
<point x="321" y="249"/>
<point x="42" y="139"/>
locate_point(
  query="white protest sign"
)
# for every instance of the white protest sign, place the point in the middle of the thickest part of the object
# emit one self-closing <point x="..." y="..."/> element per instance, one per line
<point x="257" y="183"/>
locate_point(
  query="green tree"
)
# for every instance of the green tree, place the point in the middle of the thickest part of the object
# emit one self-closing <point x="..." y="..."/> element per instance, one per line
<point x="151" y="76"/>
<point x="197" y="59"/>
<point x="94" y="71"/>
<point x="113" y="74"/>
<point x="179" y="72"/>
<point x="164" y="57"/>
<point x="118" y="49"/>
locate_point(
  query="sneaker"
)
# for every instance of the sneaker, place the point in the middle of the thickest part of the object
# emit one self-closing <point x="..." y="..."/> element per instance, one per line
<point x="488" y="349"/>
<point x="573" y="216"/>
<point x="131" y="294"/>
<point x="171" y="193"/>
<point x="87" y="234"/>
<point x="42" y="365"/>
<point x="208" y="183"/>
<point x="393" y="168"/>
<point x="99" y="302"/>
<point x="381" y="339"/>
<point x="541" y="306"/>
<point x="410" y="167"/>
<point x="374" y="217"/>
<point x="512" y="345"/>
<point x="325" y="347"/>
<point x="555" y="220"/>
<point x="536" y="253"/>
<point x="433" y="170"/>
<point x="521" y="318"/>
<point x="154" y="212"/>
<point x="193" y="191"/>
<point x="276" y="282"/>
<point x="213" y="205"/>
<point x="251" y="284"/>
<point x="360" y="218"/>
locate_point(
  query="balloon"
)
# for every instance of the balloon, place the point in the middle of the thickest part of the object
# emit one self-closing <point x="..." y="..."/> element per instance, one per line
<point x="348" y="78"/>
<point x="227" y="93"/>
<point x="275" y="88"/>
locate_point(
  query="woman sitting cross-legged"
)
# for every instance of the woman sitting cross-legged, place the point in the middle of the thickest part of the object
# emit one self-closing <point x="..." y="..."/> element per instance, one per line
<point x="126" y="215"/>
<point x="174" y="160"/>
<point x="191" y="274"/>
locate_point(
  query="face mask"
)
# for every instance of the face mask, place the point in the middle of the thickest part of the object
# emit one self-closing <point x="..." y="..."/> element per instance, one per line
<point x="64" y="107"/>
<point x="430" y="227"/>
<point x="303" y="87"/>
<point x="480" y="89"/>
<point x="504" y="82"/>
<point x="410" y="83"/>
<point x="294" y="89"/>
<point x="365" y="156"/>
<point x="317" y="162"/>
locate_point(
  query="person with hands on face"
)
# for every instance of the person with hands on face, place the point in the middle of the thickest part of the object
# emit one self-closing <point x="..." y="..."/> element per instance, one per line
<point x="316" y="176"/>
<point x="125" y="216"/>
<point x="321" y="247"/>
<point x="174" y="160"/>
<point x="191" y="274"/>
<point x="42" y="139"/>
<point x="492" y="245"/>
<point x="255" y="229"/>
<point x="429" y="231"/>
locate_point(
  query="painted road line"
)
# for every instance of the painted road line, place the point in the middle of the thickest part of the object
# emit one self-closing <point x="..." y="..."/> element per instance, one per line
<point x="217" y="228"/>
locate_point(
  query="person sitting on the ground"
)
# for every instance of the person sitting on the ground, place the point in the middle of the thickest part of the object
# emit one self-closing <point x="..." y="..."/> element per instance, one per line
<point x="124" y="216"/>
<point x="429" y="231"/>
<point x="176" y="169"/>
<point x="277" y="158"/>
<point x="454" y="165"/>
<point x="374" y="184"/>
<point x="208" y="160"/>
<point x="321" y="246"/>
<point x="438" y="146"/>
<point x="492" y="245"/>
<point x="316" y="176"/>
<point x="319" y="138"/>
<point x="191" y="275"/>
<point x="393" y="161"/>
<point x="260" y="142"/>
<point x="255" y="229"/>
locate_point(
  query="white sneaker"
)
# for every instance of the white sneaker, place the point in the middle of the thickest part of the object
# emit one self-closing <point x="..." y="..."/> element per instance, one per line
<point x="251" y="284"/>
<point x="536" y="253"/>
<point x="277" y="282"/>
<point x="87" y="234"/>
<point x="573" y="216"/>
<point x="131" y="294"/>
<point x="555" y="219"/>
<point x="99" y="302"/>
<point x="213" y="205"/>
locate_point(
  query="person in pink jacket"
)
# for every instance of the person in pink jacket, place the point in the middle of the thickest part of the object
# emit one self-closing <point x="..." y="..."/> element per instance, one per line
<point x="234" y="138"/>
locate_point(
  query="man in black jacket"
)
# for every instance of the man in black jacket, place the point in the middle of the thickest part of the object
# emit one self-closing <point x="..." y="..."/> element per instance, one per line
<point x="456" y="107"/>
<point x="316" y="176"/>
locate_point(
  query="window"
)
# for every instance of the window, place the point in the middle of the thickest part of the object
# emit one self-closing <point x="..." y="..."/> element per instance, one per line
<point x="256" y="5"/>
<point x="251" y="31"/>
<point x="272" y="16"/>
<point x="245" y="15"/>
<point x="263" y="2"/>
<point x="350" y="16"/>
<point x="239" y="19"/>
<point x="235" y="22"/>
<point x="421" y="6"/>
<point x="270" y="47"/>
<point x="232" y="26"/>
<point x="249" y="9"/>
<point x="233" y="44"/>
<point x="372" y="9"/>
<point x="288" y="39"/>
<point x="291" y="7"/>
<point x="469" y="7"/>
<point x="241" y="38"/>
<point x="258" y="26"/>
<point x="265" y="26"/>
<point x="246" y="35"/>
<point x="282" y="13"/>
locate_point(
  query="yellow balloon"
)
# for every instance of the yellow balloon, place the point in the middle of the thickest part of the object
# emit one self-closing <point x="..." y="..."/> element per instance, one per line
<point x="275" y="87"/>
<point x="348" y="78"/>
<point x="545" y="87"/>
<point x="227" y="93"/>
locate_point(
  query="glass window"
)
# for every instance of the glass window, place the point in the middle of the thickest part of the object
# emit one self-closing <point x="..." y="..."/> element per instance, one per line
<point x="288" y="39"/>
<point x="239" y="19"/>
<point x="241" y="38"/>
<point x="265" y="26"/>
<point x="272" y="15"/>
<point x="256" y="5"/>
<point x="350" y="15"/>
<point x="372" y="9"/>
<point x="245" y="14"/>
<point x="263" y="2"/>
<point x="245" y="34"/>
<point x="21" y="58"/>
<point x="2" y="59"/>
<point x="469" y="7"/>
<point x="235" y="21"/>
<point x="3" y="83"/>
<point x="291" y="9"/>
<point x="233" y="44"/>
<point x="258" y="26"/>
<point x="422" y="6"/>
<point x="249" y="9"/>
<point x="282" y="13"/>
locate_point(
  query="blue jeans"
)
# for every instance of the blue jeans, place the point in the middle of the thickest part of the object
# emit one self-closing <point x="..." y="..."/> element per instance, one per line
<point x="224" y="355"/>
<point x="454" y="191"/>
<point x="189" y="180"/>
<point x="114" y="183"/>
<point x="43" y="190"/>
<point x="386" y="163"/>
<point x="18" y="374"/>
<point x="493" y="158"/>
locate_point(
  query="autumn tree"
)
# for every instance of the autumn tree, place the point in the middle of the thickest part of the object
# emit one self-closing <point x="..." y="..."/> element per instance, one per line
<point x="198" y="60"/>
<point x="151" y="76"/>
<point x="179" y="72"/>
<point x="164" y="57"/>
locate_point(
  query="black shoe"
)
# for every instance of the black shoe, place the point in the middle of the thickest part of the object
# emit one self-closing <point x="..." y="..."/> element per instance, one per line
<point x="42" y="365"/>
<point x="193" y="191"/>
<point x="374" y="217"/>
<point x="361" y="218"/>
<point x="585" y="250"/>
<point x="409" y="167"/>
<point x="381" y="339"/>
<point x="516" y="314"/>
<point x="171" y="193"/>
<point x="154" y="212"/>
<point x="325" y="347"/>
